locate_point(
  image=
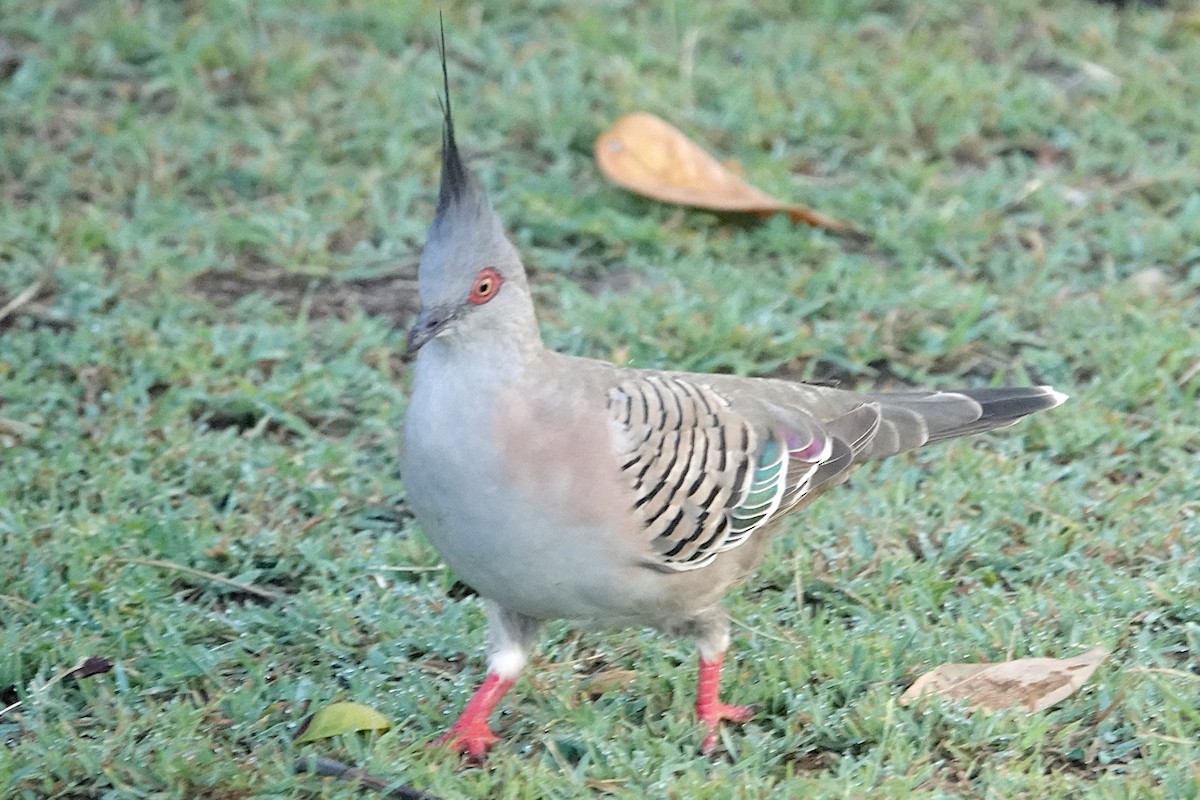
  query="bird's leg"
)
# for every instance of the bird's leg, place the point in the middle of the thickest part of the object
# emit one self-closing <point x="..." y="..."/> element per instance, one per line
<point x="470" y="733"/>
<point x="711" y="641"/>
<point x="510" y="638"/>
<point x="709" y="708"/>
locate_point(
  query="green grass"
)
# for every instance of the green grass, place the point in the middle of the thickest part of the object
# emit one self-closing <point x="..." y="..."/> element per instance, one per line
<point x="1030" y="176"/>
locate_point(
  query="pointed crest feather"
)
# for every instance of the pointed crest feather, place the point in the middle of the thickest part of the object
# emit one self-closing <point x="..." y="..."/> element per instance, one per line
<point x="456" y="183"/>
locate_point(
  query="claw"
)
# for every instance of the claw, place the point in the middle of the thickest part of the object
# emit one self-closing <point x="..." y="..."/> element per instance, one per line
<point x="712" y="720"/>
<point x="472" y="741"/>
<point x="470" y="734"/>
<point x="709" y="709"/>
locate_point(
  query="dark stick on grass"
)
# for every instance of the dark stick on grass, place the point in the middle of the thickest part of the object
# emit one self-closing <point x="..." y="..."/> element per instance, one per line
<point x="199" y="573"/>
<point x="86" y="667"/>
<point x="329" y="768"/>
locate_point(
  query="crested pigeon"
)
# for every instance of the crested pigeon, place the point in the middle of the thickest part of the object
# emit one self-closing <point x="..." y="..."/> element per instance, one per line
<point x="567" y="488"/>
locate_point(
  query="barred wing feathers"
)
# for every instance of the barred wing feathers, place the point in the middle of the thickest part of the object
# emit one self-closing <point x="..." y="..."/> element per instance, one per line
<point x="704" y="478"/>
<point x="706" y="474"/>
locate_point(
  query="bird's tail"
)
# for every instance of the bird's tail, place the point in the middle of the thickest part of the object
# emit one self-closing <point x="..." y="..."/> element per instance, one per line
<point x="911" y="419"/>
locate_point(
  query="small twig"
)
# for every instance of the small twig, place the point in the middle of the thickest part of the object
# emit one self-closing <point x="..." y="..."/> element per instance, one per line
<point x="20" y="602"/>
<point x="329" y="768"/>
<point x="22" y="430"/>
<point x="386" y="568"/>
<point x="552" y="748"/>
<point x="1164" y="738"/>
<point x="84" y="668"/>
<point x="21" y="299"/>
<point x="1187" y="376"/>
<point x="1012" y="643"/>
<point x="1136" y="184"/>
<point x="763" y="632"/>
<point x="199" y="573"/>
<point x="798" y="580"/>
<point x="1107" y="710"/>
<point x="312" y="523"/>
<point x="1174" y="673"/>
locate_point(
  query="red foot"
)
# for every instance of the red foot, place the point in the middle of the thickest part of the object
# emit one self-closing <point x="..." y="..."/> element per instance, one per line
<point x="709" y="709"/>
<point x="470" y="734"/>
<point x="471" y="741"/>
<point x="712" y="719"/>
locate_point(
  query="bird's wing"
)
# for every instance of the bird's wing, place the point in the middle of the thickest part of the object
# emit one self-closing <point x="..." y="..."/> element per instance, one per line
<point x="705" y="476"/>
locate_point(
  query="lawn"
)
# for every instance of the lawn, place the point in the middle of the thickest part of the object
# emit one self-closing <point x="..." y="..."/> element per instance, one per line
<point x="210" y="215"/>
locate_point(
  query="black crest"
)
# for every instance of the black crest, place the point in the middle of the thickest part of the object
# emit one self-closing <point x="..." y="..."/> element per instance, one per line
<point x="455" y="180"/>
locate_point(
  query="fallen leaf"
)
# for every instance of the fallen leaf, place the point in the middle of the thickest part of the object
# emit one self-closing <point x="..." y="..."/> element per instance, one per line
<point x="1030" y="684"/>
<point x="336" y="719"/>
<point x="599" y="683"/>
<point x="650" y="157"/>
<point x="89" y="666"/>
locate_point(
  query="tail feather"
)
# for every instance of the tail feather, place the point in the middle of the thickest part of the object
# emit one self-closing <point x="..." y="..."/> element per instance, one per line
<point x="912" y="419"/>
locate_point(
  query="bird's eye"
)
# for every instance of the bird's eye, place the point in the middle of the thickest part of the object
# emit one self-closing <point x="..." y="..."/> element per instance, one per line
<point x="487" y="283"/>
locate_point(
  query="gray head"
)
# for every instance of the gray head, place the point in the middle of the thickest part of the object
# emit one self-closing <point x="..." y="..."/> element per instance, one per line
<point x="471" y="279"/>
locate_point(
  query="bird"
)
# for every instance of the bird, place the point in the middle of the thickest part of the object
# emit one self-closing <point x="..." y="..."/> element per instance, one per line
<point x="567" y="488"/>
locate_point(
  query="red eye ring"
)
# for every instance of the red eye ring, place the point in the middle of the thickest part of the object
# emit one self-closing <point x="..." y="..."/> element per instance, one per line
<point x="487" y="284"/>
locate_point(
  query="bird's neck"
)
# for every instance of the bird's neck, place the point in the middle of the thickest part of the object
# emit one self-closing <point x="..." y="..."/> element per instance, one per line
<point x="497" y="355"/>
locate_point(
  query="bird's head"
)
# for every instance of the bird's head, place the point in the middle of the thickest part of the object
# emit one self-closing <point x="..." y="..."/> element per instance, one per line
<point x="471" y="280"/>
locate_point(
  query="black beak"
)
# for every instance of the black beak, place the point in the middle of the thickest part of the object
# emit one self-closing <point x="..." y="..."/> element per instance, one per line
<point x="430" y="322"/>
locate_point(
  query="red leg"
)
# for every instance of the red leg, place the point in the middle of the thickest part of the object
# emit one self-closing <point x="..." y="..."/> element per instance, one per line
<point x="470" y="734"/>
<point x="711" y="710"/>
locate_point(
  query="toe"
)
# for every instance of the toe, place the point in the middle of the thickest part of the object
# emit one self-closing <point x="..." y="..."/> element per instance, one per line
<point x="471" y="742"/>
<point x="738" y="714"/>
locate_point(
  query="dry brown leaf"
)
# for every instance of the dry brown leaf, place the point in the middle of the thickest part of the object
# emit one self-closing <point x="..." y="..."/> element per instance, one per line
<point x="1030" y="684"/>
<point x="650" y="157"/>
<point x="599" y="683"/>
